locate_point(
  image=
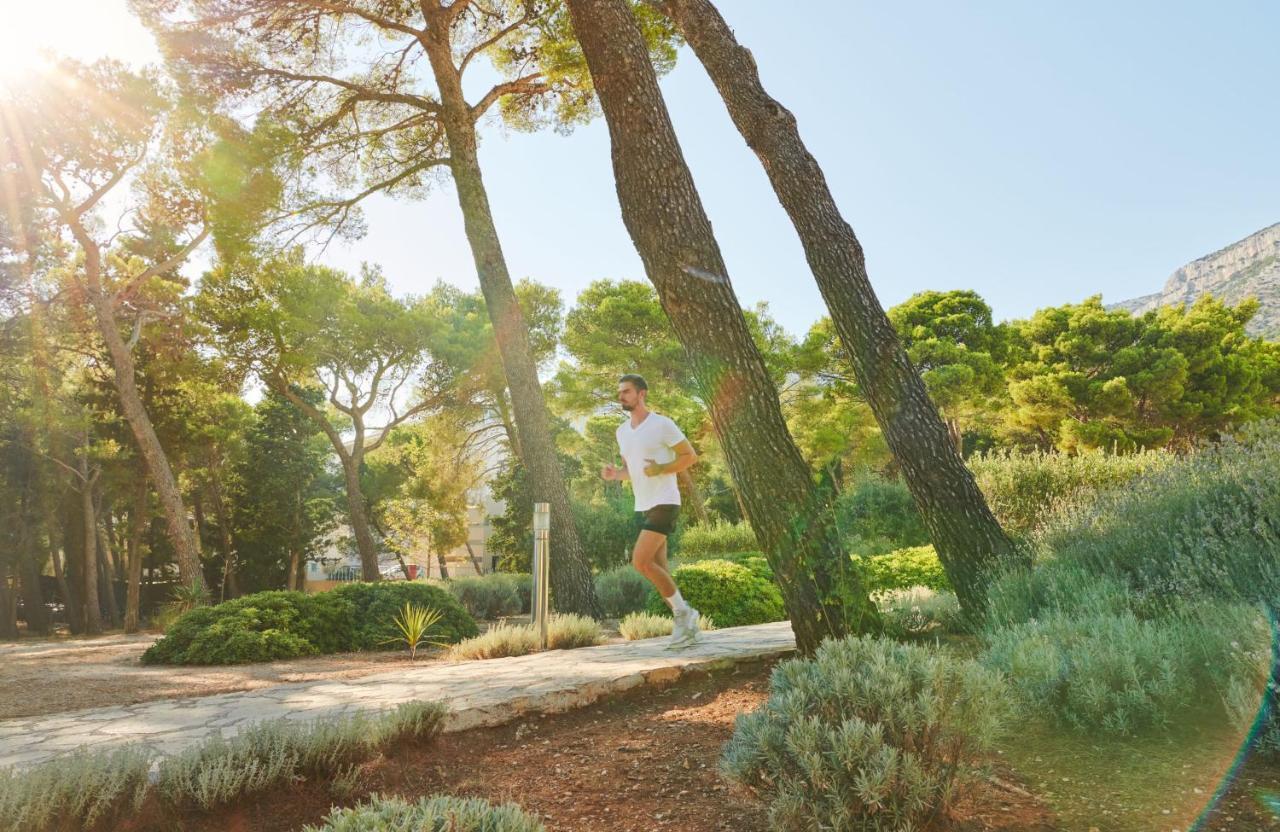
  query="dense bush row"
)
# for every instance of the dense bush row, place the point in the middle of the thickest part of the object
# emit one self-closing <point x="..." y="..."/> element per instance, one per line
<point x="267" y="626"/>
<point x="1145" y="600"/>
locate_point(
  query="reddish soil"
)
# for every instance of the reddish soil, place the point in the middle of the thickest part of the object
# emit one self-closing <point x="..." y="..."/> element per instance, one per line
<point x="645" y="760"/>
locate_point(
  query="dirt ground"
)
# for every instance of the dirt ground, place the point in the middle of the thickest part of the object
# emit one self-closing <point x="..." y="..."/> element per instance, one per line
<point x="642" y="761"/>
<point x="49" y="676"/>
<point x="46" y="677"/>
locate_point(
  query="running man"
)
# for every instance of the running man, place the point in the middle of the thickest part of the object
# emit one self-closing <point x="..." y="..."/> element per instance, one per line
<point x="653" y="452"/>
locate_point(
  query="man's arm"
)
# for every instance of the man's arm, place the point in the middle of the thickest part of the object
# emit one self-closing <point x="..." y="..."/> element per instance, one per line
<point x="685" y="456"/>
<point x="615" y="472"/>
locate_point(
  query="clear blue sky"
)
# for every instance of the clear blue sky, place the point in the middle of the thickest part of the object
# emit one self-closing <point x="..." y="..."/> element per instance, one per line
<point x="1037" y="153"/>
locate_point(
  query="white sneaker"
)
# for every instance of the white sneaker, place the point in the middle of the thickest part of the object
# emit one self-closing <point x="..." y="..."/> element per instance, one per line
<point x="684" y="632"/>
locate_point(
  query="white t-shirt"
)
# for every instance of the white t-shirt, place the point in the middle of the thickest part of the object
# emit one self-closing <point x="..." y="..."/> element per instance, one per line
<point x="654" y="439"/>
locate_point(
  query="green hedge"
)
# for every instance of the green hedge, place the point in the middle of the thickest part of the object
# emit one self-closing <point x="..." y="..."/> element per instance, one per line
<point x="1022" y="489"/>
<point x="877" y="515"/>
<point x="903" y="569"/>
<point x="715" y="539"/>
<point x="491" y="596"/>
<point x="729" y="593"/>
<point x="622" y="590"/>
<point x="376" y="604"/>
<point x="268" y="626"/>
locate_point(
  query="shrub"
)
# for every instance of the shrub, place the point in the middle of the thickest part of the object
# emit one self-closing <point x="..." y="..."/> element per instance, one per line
<point x="716" y="538"/>
<point x="877" y="515"/>
<point x="488" y="596"/>
<point x="264" y="755"/>
<point x="728" y="592"/>
<point x="641" y="625"/>
<point x="607" y="530"/>
<point x="75" y="790"/>
<point x="265" y="626"/>
<point x="564" y="631"/>
<point x="903" y="569"/>
<point x="1022" y="489"/>
<point x="1120" y="674"/>
<point x="622" y="590"/>
<point x="919" y="611"/>
<point x="86" y="787"/>
<point x="1207" y="525"/>
<point x="454" y="814"/>
<point x="499" y="641"/>
<point x="866" y="735"/>
<point x="375" y="604"/>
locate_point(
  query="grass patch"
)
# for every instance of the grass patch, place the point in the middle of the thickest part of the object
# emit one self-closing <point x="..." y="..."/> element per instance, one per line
<point x="564" y="631"/>
<point x="641" y="625"/>
<point x="88" y="789"/>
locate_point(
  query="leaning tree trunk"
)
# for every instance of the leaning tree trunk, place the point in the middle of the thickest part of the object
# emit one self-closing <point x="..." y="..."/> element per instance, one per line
<point x="135" y="412"/>
<point x="571" y="580"/>
<point x="792" y="518"/>
<point x="967" y="536"/>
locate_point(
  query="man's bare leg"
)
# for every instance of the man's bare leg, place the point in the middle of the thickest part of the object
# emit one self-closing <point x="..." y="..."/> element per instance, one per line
<point x="649" y="557"/>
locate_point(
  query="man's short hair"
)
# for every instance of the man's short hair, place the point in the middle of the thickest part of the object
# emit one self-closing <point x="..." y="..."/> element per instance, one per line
<point x="637" y="381"/>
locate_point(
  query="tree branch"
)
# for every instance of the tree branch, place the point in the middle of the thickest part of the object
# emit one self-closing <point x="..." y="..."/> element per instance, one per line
<point x="528" y="85"/>
<point x="485" y="44"/>
<point x="160" y="268"/>
<point x="362" y="92"/>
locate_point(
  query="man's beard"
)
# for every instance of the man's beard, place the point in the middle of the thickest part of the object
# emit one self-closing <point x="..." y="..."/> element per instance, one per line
<point x="628" y="407"/>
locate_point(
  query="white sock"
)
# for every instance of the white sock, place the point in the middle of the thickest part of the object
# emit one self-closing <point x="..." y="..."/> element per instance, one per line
<point x="676" y="603"/>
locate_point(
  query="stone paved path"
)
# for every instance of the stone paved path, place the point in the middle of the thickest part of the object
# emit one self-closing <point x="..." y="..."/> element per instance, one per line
<point x="478" y="693"/>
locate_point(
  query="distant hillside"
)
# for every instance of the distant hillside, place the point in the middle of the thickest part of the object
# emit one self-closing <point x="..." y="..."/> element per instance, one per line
<point x="1247" y="269"/>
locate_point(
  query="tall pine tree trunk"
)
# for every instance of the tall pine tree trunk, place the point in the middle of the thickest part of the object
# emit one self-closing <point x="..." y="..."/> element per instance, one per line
<point x="135" y="412"/>
<point x="793" y="520"/>
<point x="138" y="516"/>
<point x="358" y="513"/>
<point x="70" y="598"/>
<point x="224" y="532"/>
<point x="89" y="566"/>
<point x="571" y="580"/>
<point x="106" y="560"/>
<point x="967" y="536"/>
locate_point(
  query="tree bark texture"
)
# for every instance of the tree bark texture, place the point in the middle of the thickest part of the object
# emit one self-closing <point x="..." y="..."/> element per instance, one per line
<point x="967" y="536"/>
<point x="358" y="513"/>
<point x="138" y="516"/>
<point x="106" y="562"/>
<point x="571" y="581"/>
<point x="144" y="433"/>
<point x="224" y="533"/>
<point x="70" y="598"/>
<point x="89" y="566"/>
<point x="793" y="520"/>
<point x="8" y="608"/>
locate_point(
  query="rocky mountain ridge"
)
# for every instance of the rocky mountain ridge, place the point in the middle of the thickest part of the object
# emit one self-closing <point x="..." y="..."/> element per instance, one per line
<point x="1246" y="269"/>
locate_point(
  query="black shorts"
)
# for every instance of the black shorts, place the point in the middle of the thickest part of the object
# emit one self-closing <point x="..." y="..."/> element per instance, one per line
<point x="660" y="519"/>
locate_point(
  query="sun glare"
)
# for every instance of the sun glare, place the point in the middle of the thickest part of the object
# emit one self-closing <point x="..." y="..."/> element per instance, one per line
<point x="32" y="33"/>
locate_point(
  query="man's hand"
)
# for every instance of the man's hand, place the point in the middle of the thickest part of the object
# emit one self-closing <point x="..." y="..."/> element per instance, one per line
<point x="613" y="473"/>
<point x="654" y="469"/>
